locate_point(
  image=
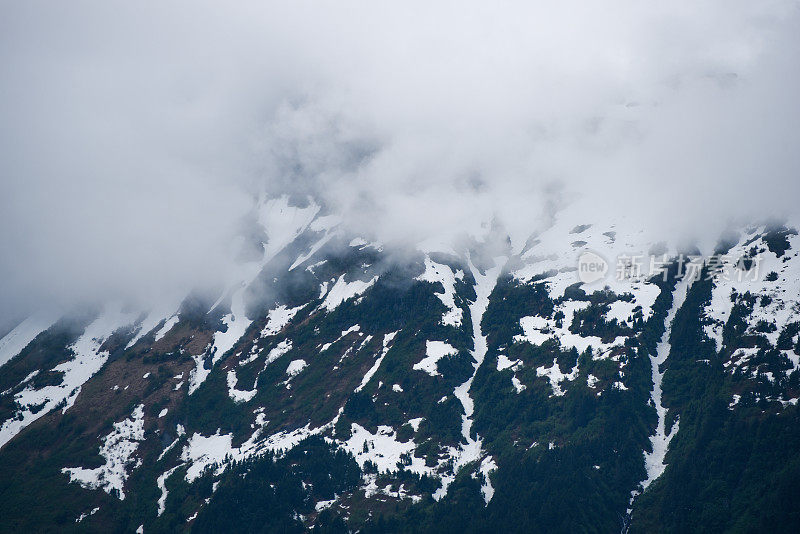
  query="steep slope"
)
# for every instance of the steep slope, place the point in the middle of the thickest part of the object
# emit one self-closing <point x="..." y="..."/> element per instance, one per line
<point x="334" y="383"/>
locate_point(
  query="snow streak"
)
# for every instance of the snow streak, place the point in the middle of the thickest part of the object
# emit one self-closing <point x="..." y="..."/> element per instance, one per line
<point x="654" y="460"/>
<point x="471" y="449"/>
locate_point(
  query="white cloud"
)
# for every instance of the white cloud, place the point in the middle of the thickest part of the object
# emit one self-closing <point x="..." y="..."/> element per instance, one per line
<point x="132" y="139"/>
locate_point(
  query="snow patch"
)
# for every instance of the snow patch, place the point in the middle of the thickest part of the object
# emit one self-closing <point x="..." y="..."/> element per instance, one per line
<point x="504" y="363"/>
<point x="88" y="360"/>
<point x="278" y="318"/>
<point x="117" y="449"/>
<point x="383" y="449"/>
<point x="87" y="514"/>
<point x="236" y="394"/>
<point x="777" y="301"/>
<point x="487" y="466"/>
<point x="415" y="423"/>
<point x="152" y="320"/>
<point x="354" y="328"/>
<point x="279" y="350"/>
<point x="324" y="505"/>
<point x="20" y="337"/>
<point x="168" y="324"/>
<point x="342" y="291"/>
<point x="518" y="386"/>
<point x="536" y="330"/>
<point x="435" y="351"/>
<point x="161" y="483"/>
<point x="441" y="273"/>
<point x="295" y="367"/>
<point x="556" y="377"/>
<point x="387" y="339"/>
<point x="314" y="249"/>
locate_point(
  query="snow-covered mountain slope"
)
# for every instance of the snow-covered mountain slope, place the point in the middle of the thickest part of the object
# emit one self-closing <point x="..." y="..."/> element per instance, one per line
<point x="337" y="383"/>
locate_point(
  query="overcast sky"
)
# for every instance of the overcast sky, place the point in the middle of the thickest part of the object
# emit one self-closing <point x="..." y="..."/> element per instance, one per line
<point x="133" y="137"/>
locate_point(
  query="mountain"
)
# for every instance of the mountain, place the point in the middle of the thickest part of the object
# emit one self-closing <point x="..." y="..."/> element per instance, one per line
<point x="334" y="383"/>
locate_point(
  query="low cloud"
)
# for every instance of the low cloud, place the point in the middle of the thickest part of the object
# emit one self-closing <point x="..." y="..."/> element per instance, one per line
<point x="133" y="141"/>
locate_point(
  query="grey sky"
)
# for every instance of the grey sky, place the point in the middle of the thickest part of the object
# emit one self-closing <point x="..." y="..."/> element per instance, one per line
<point x="133" y="137"/>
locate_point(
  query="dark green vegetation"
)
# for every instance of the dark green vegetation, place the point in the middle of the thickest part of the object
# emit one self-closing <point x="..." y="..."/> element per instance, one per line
<point x="729" y="470"/>
<point x="567" y="458"/>
<point x="267" y="493"/>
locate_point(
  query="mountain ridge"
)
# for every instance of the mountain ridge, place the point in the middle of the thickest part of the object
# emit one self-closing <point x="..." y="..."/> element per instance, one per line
<point x="461" y="390"/>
